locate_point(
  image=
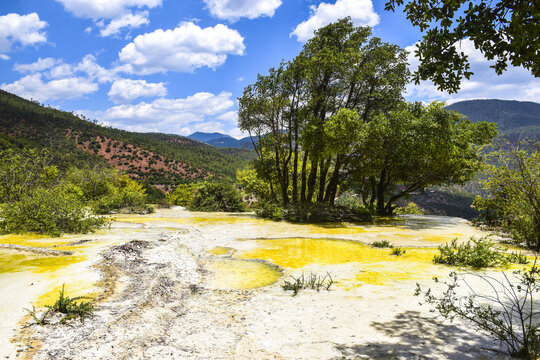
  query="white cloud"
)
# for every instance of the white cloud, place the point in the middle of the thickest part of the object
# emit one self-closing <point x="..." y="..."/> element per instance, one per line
<point x="514" y="84"/>
<point x="93" y="70"/>
<point x="233" y="10"/>
<point x="118" y="11"/>
<point x="173" y="116"/>
<point x="127" y="90"/>
<point x="126" y="21"/>
<point x="4" y="57"/>
<point x="185" y="48"/>
<point x="33" y="87"/>
<point x="230" y="116"/>
<point x="360" y="11"/>
<point x="105" y="9"/>
<point x="23" y="29"/>
<point x="39" y="65"/>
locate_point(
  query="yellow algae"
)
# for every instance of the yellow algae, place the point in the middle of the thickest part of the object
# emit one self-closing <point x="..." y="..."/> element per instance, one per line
<point x="242" y="274"/>
<point x="11" y="261"/>
<point x="219" y="250"/>
<point x="31" y="240"/>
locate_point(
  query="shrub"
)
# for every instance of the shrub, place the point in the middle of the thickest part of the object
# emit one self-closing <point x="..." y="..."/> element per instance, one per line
<point x="381" y="244"/>
<point x="51" y="211"/>
<point x="183" y="195"/>
<point x="217" y="196"/>
<point x="398" y="251"/>
<point x="477" y="253"/>
<point x="411" y="208"/>
<point x="268" y="210"/>
<point x="321" y="213"/>
<point x="311" y="281"/>
<point x="506" y="312"/>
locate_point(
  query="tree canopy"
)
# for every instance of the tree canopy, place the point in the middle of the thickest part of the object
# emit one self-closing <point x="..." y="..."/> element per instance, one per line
<point x="505" y="31"/>
<point x="334" y="116"/>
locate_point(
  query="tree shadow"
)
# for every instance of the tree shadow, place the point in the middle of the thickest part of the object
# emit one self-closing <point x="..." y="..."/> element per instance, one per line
<point x="423" y="337"/>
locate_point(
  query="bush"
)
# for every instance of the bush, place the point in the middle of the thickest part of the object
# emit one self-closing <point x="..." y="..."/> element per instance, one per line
<point x="51" y="211"/>
<point x="217" y="196"/>
<point x="411" y="208"/>
<point x="506" y="312"/>
<point x="268" y="210"/>
<point x="381" y="244"/>
<point x="398" y="251"/>
<point x="183" y="195"/>
<point x="477" y="253"/>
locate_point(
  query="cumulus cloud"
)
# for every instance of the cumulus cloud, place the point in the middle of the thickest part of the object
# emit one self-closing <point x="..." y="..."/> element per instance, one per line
<point x="233" y="10"/>
<point x="127" y="90"/>
<point x="514" y="84"/>
<point x="33" y="87"/>
<point x="39" y="65"/>
<point x="4" y="57"/>
<point x="117" y="11"/>
<point x="184" y="48"/>
<point x="360" y="11"/>
<point x="23" y="29"/>
<point x="177" y="116"/>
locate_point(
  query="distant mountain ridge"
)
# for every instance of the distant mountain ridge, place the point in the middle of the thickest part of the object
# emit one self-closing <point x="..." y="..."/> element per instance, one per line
<point x="222" y="140"/>
<point x="515" y="119"/>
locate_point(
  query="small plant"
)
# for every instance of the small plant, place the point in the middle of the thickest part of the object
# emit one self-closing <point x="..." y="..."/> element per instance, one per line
<point x="506" y="311"/>
<point x="40" y="320"/>
<point x="411" y="208"/>
<point x="398" y="251"/>
<point x="517" y="258"/>
<point x="71" y="308"/>
<point x="311" y="281"/>
<point x="477" y="253"/>
<point x="381" y="244"/>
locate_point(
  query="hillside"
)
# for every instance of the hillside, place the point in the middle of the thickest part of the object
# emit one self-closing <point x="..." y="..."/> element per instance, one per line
<point x="222" y="140"/>
<point x="514" y="119"/>
<point x="159" y="159"/>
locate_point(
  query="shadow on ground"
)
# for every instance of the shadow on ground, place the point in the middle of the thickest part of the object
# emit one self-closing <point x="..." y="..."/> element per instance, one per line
<point x="422" y="337"/>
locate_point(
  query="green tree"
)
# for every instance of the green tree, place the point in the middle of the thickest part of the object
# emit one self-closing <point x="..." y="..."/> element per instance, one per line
<point x="412" y="148"/>
<point x="513" y="188"/>
<point x="506" y="31"/>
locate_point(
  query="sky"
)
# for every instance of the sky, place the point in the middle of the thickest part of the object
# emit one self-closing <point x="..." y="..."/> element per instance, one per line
<point x="178" y="67"/>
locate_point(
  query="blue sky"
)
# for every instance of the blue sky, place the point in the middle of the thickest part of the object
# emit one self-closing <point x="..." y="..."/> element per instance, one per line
<point x="179" y="66"/>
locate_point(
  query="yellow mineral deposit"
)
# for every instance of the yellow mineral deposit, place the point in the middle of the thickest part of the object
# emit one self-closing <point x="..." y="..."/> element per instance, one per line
<point x="241" y="274"/>
<point x="219" y="250"/>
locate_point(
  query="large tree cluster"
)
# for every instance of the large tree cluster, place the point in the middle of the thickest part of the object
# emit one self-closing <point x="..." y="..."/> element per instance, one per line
<point x="334" y="116"/>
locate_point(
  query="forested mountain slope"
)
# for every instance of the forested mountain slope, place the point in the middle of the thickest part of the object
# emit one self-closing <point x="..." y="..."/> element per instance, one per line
<point x="514" y="119"/>
<point x="160" y="159"/>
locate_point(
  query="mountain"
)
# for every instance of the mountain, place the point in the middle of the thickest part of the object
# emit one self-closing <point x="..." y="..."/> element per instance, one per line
<point x="159" y="159"/>
<point x="514" y="119"/>
<point x="222" y="140"/>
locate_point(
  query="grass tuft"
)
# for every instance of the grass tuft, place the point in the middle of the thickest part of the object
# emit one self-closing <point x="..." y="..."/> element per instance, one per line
<point x="311" y="281"/>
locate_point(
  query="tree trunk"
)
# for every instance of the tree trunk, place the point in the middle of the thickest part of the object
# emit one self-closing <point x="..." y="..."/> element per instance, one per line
<point x="325" y="165"/>
<point x="331" y="190"/>
<point x="295" y="168"/>
<point x="311" y="180"/>
<point x="303" y="185"/>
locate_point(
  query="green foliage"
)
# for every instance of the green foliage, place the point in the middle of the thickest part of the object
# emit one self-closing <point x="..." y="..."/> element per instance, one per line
<point x="476" y="253"/>
<point x="183" y="195"/>
<point x="269" y="210"/>
<point x="254" y="184"/>
<point x="381" y="244"/>
<point x="311" y="281"/>
<point x="507" y="312"/>
<point x="107" y="190"/>
<point x="517" y="258"/>
<point x="411" y="208"/>
<point x="217" y="196"/>
<point x="514" y="194"/>
<point x="51" y="211"/>
<point x="349" y="200"/>
<point x="35" y="198"/>
<point x="506" y="31"/>
<point x="398" y="251"/>
<point x="70" y="307"/>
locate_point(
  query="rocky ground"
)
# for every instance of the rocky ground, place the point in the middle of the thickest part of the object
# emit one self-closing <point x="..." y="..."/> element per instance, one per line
<point x="158" y="303"/>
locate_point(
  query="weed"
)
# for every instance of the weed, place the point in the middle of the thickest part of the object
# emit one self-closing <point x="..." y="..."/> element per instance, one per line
<point x="381" y="244"/>
<point x="40" y="320"/>
<point x="311" y="281"/>
<point x="71" y="308"/>
<point x="517" y="258"/>
<point x="398" y="251"/>
<point x="477" y="253"/>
